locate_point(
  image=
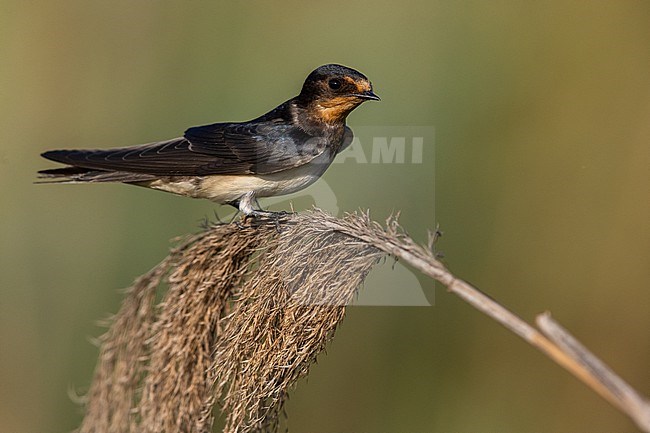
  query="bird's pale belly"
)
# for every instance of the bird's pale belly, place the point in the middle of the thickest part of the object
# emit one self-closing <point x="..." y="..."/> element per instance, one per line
<point x="229" y="188"/>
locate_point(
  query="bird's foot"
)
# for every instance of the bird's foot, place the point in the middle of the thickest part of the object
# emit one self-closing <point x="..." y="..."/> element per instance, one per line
<point x="259" y="213"/>
<point x="259" y="216"/>
<point x="268" y="215"/>
<point x="265" y="216"/>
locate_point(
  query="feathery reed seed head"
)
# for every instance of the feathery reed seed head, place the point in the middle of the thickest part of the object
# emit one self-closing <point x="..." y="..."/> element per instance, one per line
<point x="248" y="309"/>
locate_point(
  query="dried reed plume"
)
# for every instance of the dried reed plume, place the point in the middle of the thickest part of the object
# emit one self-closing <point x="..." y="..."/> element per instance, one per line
<point x="248" y="308"/>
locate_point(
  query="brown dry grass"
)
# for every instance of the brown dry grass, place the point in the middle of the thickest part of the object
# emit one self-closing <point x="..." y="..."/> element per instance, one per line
<point x="248" y="309"/>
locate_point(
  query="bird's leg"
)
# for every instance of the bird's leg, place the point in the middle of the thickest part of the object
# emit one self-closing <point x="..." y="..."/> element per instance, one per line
<point x="246" y="207"/>
<point x="245" y="203"/>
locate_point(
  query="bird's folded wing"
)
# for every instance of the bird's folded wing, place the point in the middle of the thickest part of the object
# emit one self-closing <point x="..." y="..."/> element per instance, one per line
<point x="222" y="148"/>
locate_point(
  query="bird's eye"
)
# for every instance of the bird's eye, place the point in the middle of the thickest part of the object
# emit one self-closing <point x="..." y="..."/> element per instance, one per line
<point x="334" y="83"/>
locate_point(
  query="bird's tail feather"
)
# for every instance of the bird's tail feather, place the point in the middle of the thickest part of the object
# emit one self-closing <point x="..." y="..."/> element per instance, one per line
<point x="80" y="174"/>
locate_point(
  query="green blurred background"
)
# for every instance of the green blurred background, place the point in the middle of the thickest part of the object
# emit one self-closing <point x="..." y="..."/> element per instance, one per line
<point x="542" y="156"/>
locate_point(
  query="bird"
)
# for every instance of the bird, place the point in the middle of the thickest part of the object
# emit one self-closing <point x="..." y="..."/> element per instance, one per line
<point x="235" y="163"/>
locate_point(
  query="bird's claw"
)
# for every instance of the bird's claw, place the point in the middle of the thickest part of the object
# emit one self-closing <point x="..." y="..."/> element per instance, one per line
<point x="268" y="214"/>
<point x="264" y="216"/>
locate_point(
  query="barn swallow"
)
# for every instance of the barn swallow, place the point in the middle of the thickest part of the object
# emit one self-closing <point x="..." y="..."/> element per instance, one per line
<point x="280" y="152"/>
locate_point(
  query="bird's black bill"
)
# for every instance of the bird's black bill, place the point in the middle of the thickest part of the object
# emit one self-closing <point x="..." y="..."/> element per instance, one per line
<point x="370" y="95"/>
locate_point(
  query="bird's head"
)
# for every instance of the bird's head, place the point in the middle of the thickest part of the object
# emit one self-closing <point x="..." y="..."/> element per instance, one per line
<point x="331" y="92"/>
